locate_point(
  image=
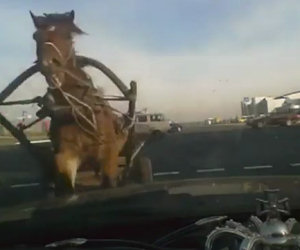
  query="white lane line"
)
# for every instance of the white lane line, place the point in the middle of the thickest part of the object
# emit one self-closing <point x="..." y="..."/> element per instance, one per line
<point x="208" y="170"/>
<point x="29" y="209"/>
<point x="166" y="173"/>
<point x="257" y="167"/>
<point x="25" y="185"/>
<point x="296" y="164"/>
<point x="36" y="141"/>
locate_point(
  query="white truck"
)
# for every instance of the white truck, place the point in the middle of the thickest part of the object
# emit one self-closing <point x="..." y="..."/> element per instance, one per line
<point x="147" y="123"/>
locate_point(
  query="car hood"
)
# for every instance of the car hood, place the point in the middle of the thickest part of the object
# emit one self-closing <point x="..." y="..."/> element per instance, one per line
<point x="154" y="197"/>
<point x="91" y="214"/>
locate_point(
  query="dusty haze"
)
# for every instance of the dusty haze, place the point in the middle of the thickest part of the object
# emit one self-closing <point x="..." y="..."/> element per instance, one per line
<point x="188" y="64"/>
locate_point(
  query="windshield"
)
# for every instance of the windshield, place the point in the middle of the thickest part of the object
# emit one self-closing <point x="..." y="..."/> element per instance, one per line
<point x="101" y="100"/>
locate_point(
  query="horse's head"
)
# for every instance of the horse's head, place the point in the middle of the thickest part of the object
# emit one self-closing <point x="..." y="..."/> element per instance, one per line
<point x="54" y="42"/>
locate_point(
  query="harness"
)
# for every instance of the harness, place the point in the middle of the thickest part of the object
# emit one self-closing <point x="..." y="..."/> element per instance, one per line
<point x="86" y="121"/>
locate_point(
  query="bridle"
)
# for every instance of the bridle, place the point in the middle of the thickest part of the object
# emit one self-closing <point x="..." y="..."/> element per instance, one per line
<point x="64" y="60"/>
<point x="56" y="50"/>
<point x="73" y="101"/>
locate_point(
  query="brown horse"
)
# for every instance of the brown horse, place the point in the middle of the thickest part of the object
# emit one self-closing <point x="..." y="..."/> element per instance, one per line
<point x="88" y="131"/>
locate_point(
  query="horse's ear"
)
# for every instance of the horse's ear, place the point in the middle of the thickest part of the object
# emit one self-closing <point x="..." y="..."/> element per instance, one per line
<point x="34" y="19"/>
<point x="72" y="15"/>
<point x="77" y="30"/>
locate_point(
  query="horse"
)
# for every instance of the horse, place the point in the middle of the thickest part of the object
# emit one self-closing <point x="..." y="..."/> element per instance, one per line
<point x="84" y="127"/>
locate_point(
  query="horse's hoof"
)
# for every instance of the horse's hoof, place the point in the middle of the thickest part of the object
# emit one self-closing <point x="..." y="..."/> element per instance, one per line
<point x="108" y="182"/>
<point x="63" y="186"/>
<point x="63" y="191"/>
<point x="72" y="198"/>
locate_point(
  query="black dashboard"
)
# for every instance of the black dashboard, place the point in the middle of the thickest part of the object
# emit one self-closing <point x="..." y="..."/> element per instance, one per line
<point x="159" y="227"/>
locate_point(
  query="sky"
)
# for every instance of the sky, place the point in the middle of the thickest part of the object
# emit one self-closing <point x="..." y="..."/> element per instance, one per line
<point x="192" y="59"/>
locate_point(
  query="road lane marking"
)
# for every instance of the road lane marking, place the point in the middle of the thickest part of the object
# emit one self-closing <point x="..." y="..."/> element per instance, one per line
<point x="209" y="170"/>
<point x="257" y="167"/>
<point x="296" y="164"/>
<point x="166" y="173"/>
<point x="35" y="141"/>
<point x="34" y="184"/>
<point x="29" y="209"/>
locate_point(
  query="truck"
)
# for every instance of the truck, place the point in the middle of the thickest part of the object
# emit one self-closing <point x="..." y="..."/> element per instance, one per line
<point x="155" y="123"/>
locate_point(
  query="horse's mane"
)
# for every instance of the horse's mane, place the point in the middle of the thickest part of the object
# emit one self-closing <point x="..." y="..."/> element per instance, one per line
<point x="57" y="19"/>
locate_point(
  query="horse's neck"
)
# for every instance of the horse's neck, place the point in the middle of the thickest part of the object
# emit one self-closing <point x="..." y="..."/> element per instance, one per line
<point x="76" y="80"/>
<point x="79" y="84"/>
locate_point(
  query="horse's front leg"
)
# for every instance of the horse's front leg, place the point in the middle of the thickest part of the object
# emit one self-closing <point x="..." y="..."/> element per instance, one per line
<point x="67" y="163"/>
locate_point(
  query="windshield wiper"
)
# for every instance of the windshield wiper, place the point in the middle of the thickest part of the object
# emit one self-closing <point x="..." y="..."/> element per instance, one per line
<point x="106" y="244"/>
<point x="128" y="244"/>
<point x="180" y="233"/>
<point x="70" y="242"/>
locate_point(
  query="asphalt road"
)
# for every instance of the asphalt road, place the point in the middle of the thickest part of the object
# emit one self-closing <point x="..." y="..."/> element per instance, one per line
<point x="226" y="151"/>
<point x="198" y="152"/>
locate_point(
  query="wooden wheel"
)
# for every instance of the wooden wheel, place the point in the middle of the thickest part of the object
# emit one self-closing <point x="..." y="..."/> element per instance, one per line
<point x="145" y="169"/>
<point x="141" y="171"/>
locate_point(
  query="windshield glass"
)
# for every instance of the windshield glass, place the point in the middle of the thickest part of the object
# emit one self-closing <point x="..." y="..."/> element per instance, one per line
<point x="101" y="100"/>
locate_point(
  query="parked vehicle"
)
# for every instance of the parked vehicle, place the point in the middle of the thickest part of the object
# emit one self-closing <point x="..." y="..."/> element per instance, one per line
<point x="279" y="119"/>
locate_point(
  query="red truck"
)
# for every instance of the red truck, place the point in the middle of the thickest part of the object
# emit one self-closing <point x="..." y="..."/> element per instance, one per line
<point x="273" y="119"/>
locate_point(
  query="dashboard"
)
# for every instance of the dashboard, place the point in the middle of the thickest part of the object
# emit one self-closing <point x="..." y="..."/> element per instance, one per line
<point x="272" y="227"/>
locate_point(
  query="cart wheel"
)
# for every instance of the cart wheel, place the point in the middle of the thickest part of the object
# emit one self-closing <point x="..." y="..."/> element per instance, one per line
<point x="141" y="171"/>
<point x="145" y="169"/>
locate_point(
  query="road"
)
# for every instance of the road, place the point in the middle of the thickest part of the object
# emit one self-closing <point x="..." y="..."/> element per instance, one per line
<point x="226" y="151"/>
<point x="198" y="152"/>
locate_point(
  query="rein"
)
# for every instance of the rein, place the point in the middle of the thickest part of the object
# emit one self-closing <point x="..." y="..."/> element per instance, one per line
<point x="57" y="50"/>
<point x="74" y="101"/>
<point x="76" y="112"/>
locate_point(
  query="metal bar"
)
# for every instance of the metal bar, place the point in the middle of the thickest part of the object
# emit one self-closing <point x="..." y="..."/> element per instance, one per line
<point x="112" y="99"/>
<point x="86" y="61"/>
<point x="129" y="147"/>
<point x="133" y="93"/>
<point x="22" y="102"/>
<point x="115" y="99"/>
<point x="41" y="159"/>
<point x="21" y="137"/>
<point x="12" y="86"/>
<point x="32" y="123"/>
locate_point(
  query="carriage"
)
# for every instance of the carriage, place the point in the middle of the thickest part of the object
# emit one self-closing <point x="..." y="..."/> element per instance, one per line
<point x="132" y="167"/>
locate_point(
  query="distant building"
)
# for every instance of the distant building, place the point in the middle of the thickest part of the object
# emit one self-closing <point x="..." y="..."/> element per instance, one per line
<point x="255" y="106"/>
<point x="212" y="120"/>
<point x="268" y="105"/>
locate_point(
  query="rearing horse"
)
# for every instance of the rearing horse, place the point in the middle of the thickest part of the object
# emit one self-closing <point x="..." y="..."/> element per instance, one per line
<point x="88" y="131"/>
